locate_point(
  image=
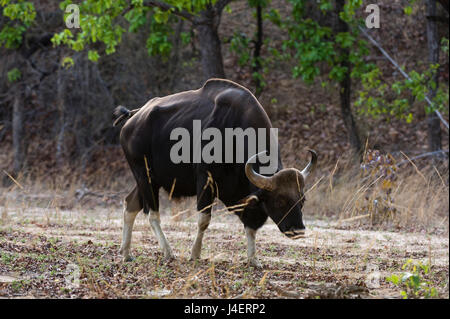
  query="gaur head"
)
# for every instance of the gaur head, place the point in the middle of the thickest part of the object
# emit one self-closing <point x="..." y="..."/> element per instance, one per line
<point x="281" y="196"/>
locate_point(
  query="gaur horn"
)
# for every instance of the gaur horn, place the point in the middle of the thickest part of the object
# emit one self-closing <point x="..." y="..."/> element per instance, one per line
<point x="257" y="179"/>
<point x="308" y="169"/>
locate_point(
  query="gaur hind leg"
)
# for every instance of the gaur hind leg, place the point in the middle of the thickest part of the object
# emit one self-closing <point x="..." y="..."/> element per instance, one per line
<point x="205" y="198"/>
<point x="132" y="206"/>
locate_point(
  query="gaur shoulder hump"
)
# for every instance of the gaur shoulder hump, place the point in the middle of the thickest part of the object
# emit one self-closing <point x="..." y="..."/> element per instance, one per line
<point x="225" y="92"/>
<point x="216" y="83"/>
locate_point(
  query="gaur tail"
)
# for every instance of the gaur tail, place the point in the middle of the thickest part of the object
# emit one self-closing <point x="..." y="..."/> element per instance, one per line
<point x="122" y="114"/>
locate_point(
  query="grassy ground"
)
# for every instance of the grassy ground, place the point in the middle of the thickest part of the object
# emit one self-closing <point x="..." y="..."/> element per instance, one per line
<point x="43" y="248"/>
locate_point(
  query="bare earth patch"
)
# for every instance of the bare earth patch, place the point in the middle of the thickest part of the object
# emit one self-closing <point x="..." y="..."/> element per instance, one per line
<point x="44" y="252"/>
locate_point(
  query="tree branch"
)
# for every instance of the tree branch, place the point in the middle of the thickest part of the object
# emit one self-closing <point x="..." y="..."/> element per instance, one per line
<point x="444" y="4"/>
<point x="220" y="4"/>
<point x="166" y="7"/>
<point x="435" y="153"/>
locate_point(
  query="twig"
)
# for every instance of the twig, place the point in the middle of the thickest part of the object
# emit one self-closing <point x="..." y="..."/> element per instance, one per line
<point x="353" y="218"/>
<point x="412" y="163"/>
<point x="422" y="156"/>
<point x="12" y="178"/>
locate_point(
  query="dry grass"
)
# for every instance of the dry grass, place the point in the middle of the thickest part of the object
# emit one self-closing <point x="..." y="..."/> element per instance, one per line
<point x="413" y="198"/>
<point x="416" y="199"/>
<point x="51" y="221"/>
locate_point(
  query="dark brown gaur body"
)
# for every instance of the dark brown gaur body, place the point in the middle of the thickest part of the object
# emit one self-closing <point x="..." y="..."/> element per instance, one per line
<point x="145" y="139"/>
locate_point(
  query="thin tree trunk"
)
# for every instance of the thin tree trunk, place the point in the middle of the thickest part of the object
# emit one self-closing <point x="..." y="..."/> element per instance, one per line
<point x="210" y="46"/>
<point x="173" y="67"/>
<point x="433" y="122"/>
<point x="60" y="89"/>
<point x="17" y="134"/>
<point x="258" y="46"/>
<point x="345" y="86"/>
<point x="346" y="111"/>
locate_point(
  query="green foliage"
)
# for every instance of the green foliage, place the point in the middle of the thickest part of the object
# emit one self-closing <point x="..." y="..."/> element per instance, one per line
<point x="14" y="75"/>
<point x="313" y="45"/>
<point x="318" y="50"/>
<point x="21" y="15"/>
<point x="102" y="22"/>
<point x="413" y="281"/>
<point x="408" y="9"/>
<point x="67" y="62"/>
<point x="444" y="46"/>
<point x="97" y="23"/>
<point x="158" y="42"/>
<point x="241" y="45"/>
<point x="377" y="98"/>
<point x="93" y="55"/>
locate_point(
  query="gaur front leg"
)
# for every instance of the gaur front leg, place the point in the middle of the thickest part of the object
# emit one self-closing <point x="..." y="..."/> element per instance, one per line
<point x="155" y="222"/>
<point x="251" y="248"/>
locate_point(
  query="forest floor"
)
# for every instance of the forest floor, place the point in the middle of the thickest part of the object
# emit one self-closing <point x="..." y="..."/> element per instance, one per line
<point x="46" y="240"/>
<point x="48" y="252"/>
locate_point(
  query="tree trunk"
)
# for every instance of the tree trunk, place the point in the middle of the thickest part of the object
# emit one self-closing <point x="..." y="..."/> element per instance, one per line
<point x="257" y="50"/>
<point x="433" y="122"/>
<point x="445" y="4"/>
<point x="60" y="89"/>
<point x="346" y="111"/>
<point x="345" y="86"/>
<point x="173" y="66"/>
<point x="17" y="134"/>
<point x="210" y="46"/>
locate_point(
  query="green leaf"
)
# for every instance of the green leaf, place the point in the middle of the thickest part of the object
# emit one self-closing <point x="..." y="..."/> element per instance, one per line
<point x="93" y="55"/>
<point x="14" y="75"/>
<point x="67" y="62"/>
<point x="407" y="10"/>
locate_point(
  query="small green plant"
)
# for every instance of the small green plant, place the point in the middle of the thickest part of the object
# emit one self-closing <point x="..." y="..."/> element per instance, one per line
<point x="14" y="75"/>
<point x="18" y="285"/>
<point x="7" y="258"/>
<point x="414" y="281"/>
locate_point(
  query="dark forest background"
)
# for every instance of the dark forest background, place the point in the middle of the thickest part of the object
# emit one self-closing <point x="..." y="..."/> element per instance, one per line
<point x="318" y="76"/>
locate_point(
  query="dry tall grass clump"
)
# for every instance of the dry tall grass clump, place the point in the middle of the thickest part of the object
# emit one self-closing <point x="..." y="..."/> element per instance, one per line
<point x="383" y="193"/>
